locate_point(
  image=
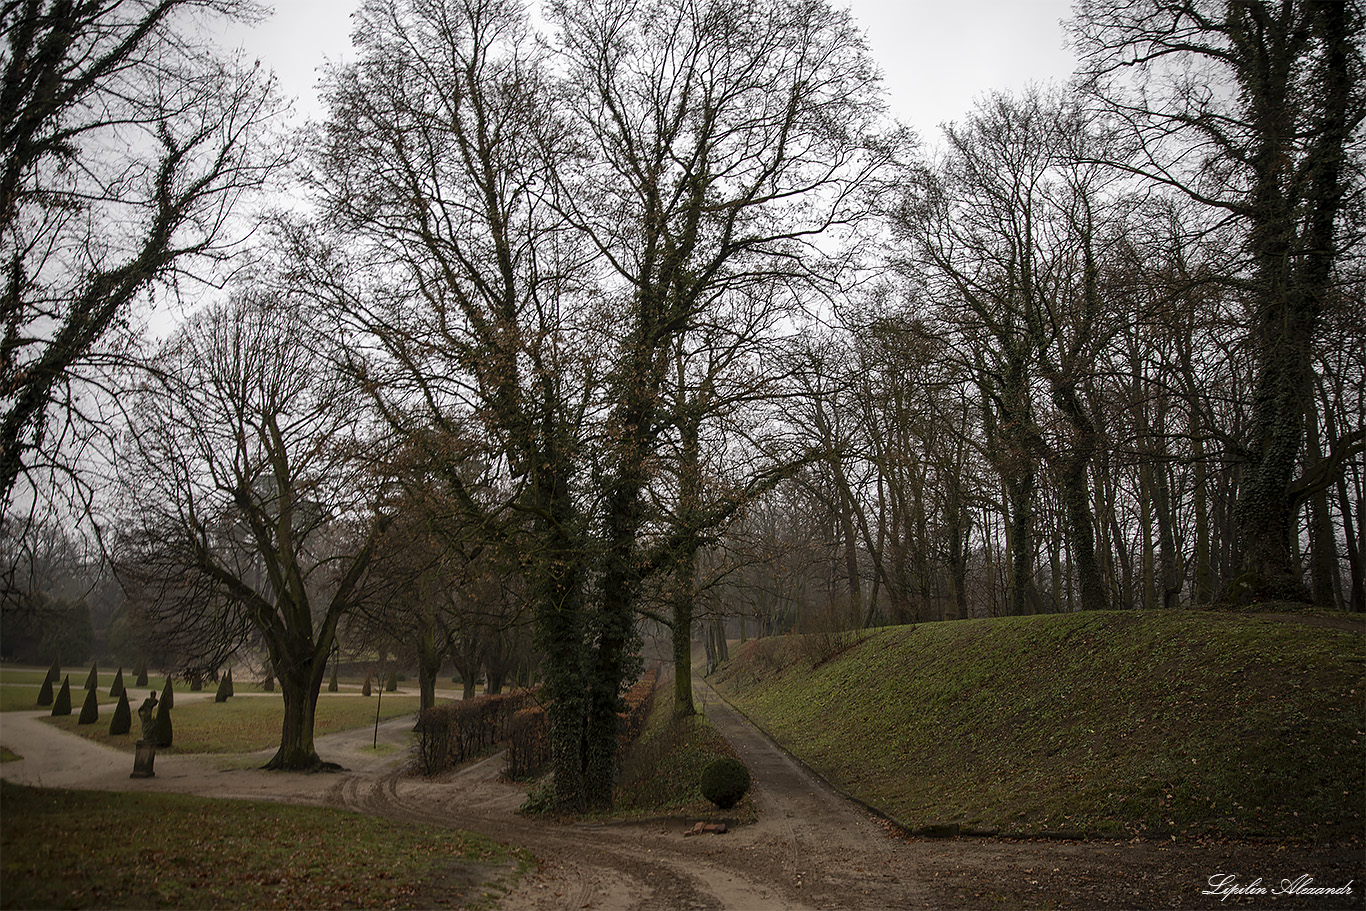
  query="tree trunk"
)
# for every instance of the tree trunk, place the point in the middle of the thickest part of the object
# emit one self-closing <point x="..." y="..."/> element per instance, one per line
<point x="1293" y="248"/>
<point x="685" y="573"/>
<point x="428" y="667"/>
<point x="1201" y="563"/>
<point x="300" y="681"/>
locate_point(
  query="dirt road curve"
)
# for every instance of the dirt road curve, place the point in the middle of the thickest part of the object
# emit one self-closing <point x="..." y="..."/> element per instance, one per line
<point x="810" y="848"/>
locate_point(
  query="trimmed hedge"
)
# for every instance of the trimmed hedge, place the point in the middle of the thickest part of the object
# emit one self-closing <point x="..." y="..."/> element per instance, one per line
<point x="528" y="738"/>
<point x="451" y="733"/>
<point x="90" y="710"/>
<point x="117" y="689"/>
<point x="62" y="706"/>
<point x="122" y="722"/>
<point x="528" y="744"/>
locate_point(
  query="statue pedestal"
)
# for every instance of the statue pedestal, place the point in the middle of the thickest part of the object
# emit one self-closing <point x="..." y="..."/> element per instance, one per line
<point x="142" y="762"/>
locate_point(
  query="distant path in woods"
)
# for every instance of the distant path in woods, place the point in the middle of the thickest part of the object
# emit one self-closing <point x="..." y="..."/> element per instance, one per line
<point x="810" y="847"/>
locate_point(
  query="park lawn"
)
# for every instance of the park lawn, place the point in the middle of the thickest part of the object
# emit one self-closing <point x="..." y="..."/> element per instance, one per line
<point x="85" y="849"/>
<point x="244" y="724"/>
<point x="1108" y="723"/>
<point x="27" y="673"/>
<point x="23" y="697"/>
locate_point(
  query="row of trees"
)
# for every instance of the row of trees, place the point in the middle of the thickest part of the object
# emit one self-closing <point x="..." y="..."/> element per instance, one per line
<point x="658" y="318"/>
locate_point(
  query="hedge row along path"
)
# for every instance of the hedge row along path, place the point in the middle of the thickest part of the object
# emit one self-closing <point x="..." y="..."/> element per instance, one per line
<point x="810" y="847"/>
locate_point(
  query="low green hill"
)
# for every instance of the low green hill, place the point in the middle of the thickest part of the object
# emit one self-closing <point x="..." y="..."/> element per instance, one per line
<point x="1149" y="723"/>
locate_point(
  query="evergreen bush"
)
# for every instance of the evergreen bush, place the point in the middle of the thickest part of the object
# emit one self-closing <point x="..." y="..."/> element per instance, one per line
<point x="93" y="681"/>
<point x="168" y="695"/>
<point x="118" y="688"/>
<point x="232" y="690"/>
<point x="45" y="693"/>
<point x="140" y="673"/>
<point x="725" y="782"/>
<point x="161" y="727"/>
<point x="392" y="685"/>
<point x="54" y="673"/>
<point x="63" y="704"/>
<point x="90" y="711"/>
<point x="269" y="683"/>
<point x="365" y="687"/>
<point x="224" y="688"/>
<point x="122" y="722"/>
<point x="332" y="683"/>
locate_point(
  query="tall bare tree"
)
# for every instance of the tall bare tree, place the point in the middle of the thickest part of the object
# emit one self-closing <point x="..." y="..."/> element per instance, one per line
<point x="253" y="495"/>
<point x="1255" y="110"/>
<point x="124" y="147"/>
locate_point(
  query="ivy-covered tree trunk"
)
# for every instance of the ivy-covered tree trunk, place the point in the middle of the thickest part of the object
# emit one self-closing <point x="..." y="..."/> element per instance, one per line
<point x="685" y="573"/>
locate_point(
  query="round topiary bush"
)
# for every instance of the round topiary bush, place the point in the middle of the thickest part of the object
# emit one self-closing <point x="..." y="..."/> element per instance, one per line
<point x="725" y="782"/>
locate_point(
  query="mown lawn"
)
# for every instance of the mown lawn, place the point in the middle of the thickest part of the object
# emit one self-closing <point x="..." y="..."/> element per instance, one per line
<point x="84" y="849"/>
<point x="1147" y="723"/>
<point x="243" y="724"/>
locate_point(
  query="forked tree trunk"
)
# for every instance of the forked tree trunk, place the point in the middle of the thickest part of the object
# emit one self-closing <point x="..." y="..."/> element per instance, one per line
<point x="300" y="681"/>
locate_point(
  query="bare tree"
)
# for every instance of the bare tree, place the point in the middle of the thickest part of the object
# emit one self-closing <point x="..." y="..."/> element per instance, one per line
<point x="535" y="273"/>
<point x="252" y="492"/>
<point x="126" y="146"/>
<point x="1254" y="110"/>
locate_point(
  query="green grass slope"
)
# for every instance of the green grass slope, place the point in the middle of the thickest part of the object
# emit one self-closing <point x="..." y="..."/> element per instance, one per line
<point x="1147" y="723"/>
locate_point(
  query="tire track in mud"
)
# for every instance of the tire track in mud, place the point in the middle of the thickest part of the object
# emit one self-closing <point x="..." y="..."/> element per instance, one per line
<point x="582" y="867"/>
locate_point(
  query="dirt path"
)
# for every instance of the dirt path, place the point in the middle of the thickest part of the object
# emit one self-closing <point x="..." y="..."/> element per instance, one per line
<point x="810" y="848"/>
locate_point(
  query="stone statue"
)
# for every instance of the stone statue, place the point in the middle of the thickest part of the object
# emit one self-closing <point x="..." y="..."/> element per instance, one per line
<point x="145" y="712"/>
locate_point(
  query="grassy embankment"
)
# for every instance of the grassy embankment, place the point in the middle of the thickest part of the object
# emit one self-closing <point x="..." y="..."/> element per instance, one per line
<point x="1105" y="724"/>
<point x="82" y="849"/>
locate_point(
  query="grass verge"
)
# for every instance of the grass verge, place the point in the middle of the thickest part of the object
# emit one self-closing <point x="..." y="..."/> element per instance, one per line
<point x="1148" y="723"/>
<point x="85" y="849"/>
<point x="660" y="774"/>
<point x="244" y="724"/>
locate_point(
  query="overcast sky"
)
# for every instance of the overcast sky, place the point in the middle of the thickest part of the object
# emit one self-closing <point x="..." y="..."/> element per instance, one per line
<point x="937" y="55"/>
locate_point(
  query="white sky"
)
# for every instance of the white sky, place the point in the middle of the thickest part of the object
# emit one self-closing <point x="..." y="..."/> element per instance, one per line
<point x="937" y="55"/>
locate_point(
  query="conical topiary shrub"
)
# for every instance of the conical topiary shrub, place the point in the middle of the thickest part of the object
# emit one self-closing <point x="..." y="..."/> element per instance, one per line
<point x="224" y="688"/>
<point x="45" y="693"/>
<point x="269" y="683"/>
<point x="232" y="690"/>
<point x="391" y="685"/>
<point x="122" y="722"/>
<point x="118" y="688"/>
<point x="54" y="673"/>
<point x="93" y="681"/>
<point x="161" y="727"/>
<point x="140" y="673"/>
<point x="332" y="683"/>
<point x="62" y="706"/>
<point x="365" y="687"/>
<point x="196" y="682"/>
<point x="168" y="695"/>
<point x="90" y="711"/>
